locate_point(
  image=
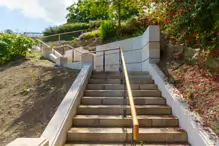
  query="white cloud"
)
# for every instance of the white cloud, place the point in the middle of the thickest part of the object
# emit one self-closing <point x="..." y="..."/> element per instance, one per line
<point x="50" y="10"/>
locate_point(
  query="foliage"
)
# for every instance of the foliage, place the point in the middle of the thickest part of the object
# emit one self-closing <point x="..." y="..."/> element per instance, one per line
<point x="132" y="26"/>
<point x="90" y="10"/>
<point x="13" y="47"/>
<point x="76" y="39"/>
<point x="107" y="30"/>
<point x="8" y="31"/>
<point x="86" y="10"/>
<point x="189" y="23"/>
<point x="92" y="34"/>
<point x="71" y="27"/>
<point x="126" y="10"/>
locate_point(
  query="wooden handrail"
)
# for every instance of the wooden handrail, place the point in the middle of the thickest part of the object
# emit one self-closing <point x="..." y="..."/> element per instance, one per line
<point x="44" y="43"/>
<point x="59" y="46"/>
<point x="66" y="45"/>
<point x="66" y="33"/>
<point x="131" y="100"/>
<point x="53" y="50"/>
<point x="104" y="50"/>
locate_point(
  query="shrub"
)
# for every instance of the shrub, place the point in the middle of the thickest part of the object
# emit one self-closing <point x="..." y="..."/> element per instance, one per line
<point x="71" y="27"/>
<point x="92" y="34"/>
<point x="133" y="27"/>
<point x="107" y="30"/>
<point x="190" y="23"/>
<point x="13" y="47"/>
<point x="95" y="24"/>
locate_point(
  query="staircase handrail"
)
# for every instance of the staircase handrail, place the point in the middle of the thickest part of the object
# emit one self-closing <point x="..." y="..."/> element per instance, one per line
<point x="66" y="45"/>
<point x="131" y="99"/>
<point x="122" y="64"/>
<point x="48" y="46"/>
<point x="70" y="32"/>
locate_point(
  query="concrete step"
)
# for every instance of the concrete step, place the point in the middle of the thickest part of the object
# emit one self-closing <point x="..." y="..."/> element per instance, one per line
<point x="121" y="76"/>
<point x="118" y="109"/>
<point x="122" y="144"/>
<point x="118" y="81"/>
<point x="119" y="121"/>
<point x="152" y="135"/>
<point x="118" y="73"/>
<point x="121" y="86"/>
<point x="119" y="101"/>
<point x="120" y="93"/>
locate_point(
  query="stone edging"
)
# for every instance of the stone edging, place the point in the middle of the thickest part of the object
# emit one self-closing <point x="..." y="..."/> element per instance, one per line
<point x="56" y="130"/>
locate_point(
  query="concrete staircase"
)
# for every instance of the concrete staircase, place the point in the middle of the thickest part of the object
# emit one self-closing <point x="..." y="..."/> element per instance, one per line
<point x="99" y="120"/>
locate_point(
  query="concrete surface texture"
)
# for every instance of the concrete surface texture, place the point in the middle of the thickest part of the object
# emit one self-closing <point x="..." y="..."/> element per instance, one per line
<point x="136" y="51"/>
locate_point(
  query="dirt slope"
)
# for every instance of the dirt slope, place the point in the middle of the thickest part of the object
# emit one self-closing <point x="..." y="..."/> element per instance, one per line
<point x="199" y="87"/>
<point x="30" y="92"/>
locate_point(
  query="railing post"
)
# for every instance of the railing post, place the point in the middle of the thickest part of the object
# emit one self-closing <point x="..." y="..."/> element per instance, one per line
<point x="41" y="47"/>
<point x="123" y="80"/>
<point x="120" y="66"/>
<point x="132" y="140"/>
<point x="124" y="99"/>
<point x="59" y="38"/>
<point x="104" y="60"/>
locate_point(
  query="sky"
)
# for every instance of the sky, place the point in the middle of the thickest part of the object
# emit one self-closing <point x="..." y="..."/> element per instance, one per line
<point x="32" y="15"/>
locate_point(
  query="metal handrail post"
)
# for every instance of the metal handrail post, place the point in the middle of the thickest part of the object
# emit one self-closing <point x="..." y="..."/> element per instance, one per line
<point x="120" y="67"/>
<point x="104" y="60"/>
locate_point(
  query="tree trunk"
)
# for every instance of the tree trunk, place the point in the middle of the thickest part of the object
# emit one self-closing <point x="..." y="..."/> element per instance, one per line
<point x="119" y="14"/>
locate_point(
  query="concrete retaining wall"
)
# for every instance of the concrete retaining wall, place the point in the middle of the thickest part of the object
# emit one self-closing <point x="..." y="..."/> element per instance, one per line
<point x="136" y="50"/>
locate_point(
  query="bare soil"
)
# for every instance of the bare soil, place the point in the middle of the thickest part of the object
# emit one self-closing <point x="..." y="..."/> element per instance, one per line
<point x="30" y="92"/>
<point x="199" y="86"/>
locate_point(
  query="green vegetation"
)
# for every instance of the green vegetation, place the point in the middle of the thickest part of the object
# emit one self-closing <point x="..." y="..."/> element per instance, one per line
<point x="92" y="34"/>
<point x="81" y="13"/>
<point x="107" y="30"/>
<point x="189" y="23"/>
<point x="13" y="47"/>
<point x="71" y="27"/>
<point x="87" y="10"/>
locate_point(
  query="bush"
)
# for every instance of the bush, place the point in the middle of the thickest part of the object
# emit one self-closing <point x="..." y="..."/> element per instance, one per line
<point x="95" y="24"/>
<point x="189" y="23"/>
<point x="129" y="27"/>
<point x="107" y="30"/>
<point x="71" y="27"/>
<point x="92" y="34"/>
<point x="133" y="27"/>
<point x="13" y="47"/>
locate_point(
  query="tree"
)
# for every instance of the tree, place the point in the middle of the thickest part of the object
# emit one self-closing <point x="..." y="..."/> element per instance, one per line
<point x="121" y="10"/>
<point x="8" y="31"/>
<point x="88" y="10"/>
<point x="192" y="23"/>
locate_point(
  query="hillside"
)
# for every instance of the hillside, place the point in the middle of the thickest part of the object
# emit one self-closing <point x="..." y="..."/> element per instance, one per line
<point x="30" y="92"/>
